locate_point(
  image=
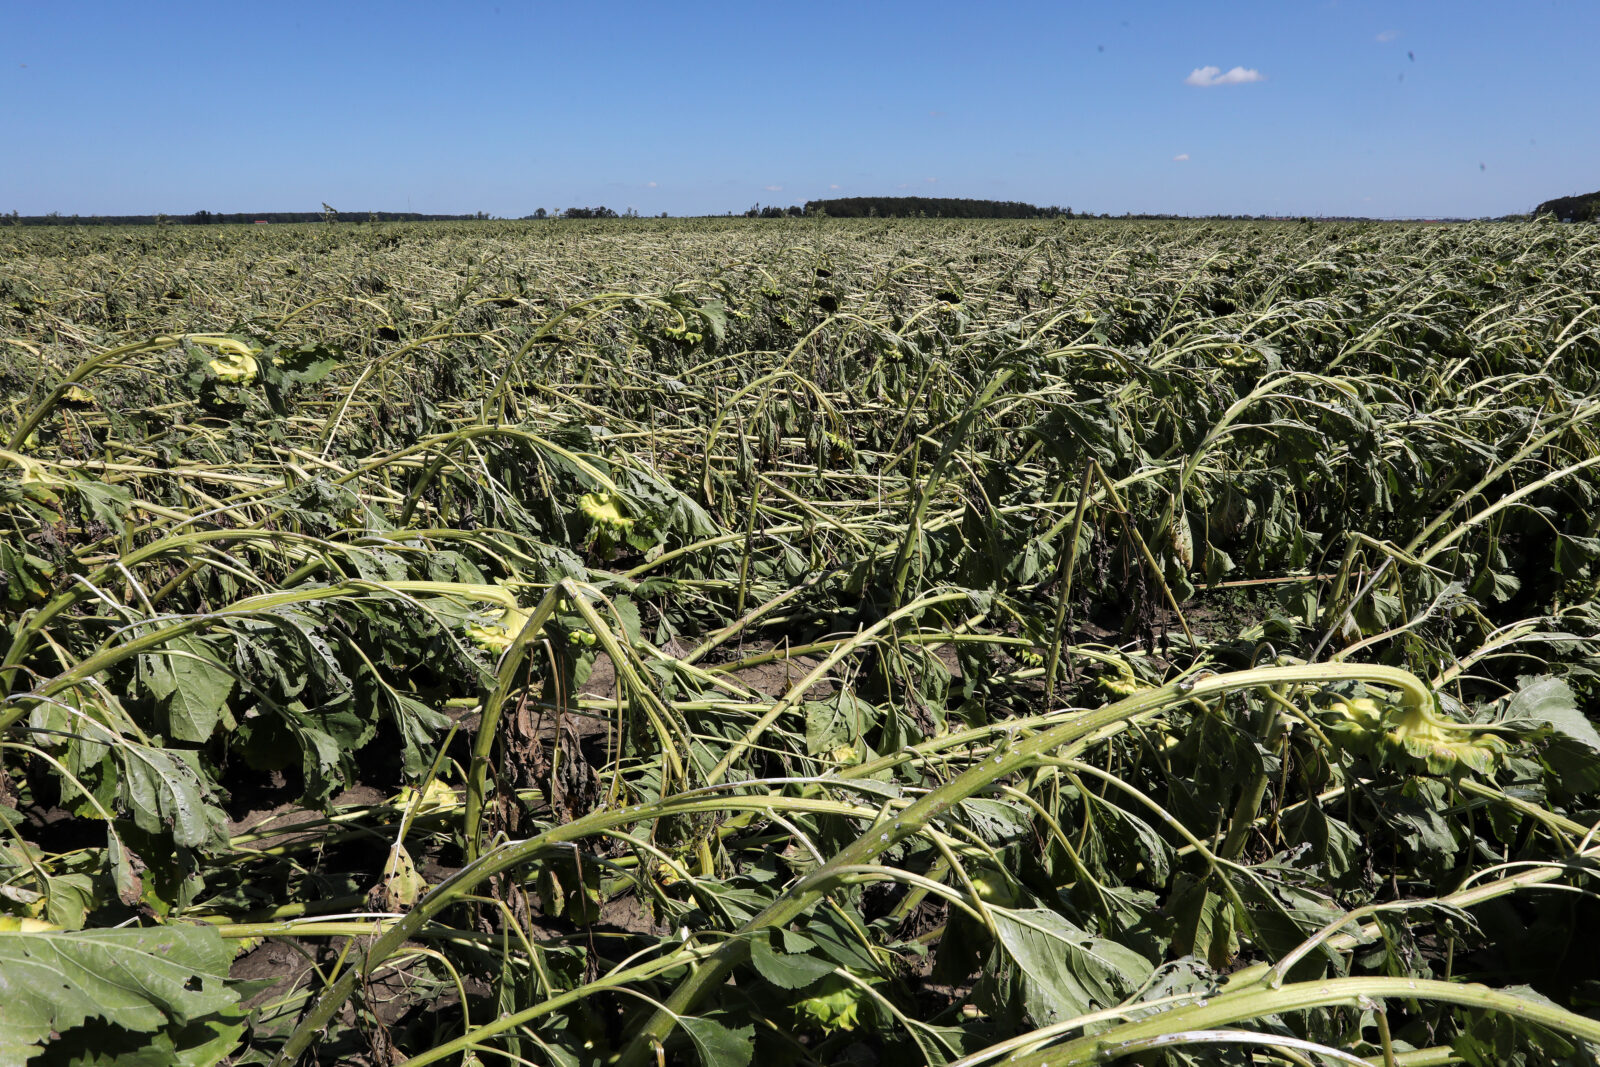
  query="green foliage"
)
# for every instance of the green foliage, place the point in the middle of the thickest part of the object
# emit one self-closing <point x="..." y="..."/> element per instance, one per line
<point x="168" y="984"/>
<point x="805" y="643"/>
<point x="1582" y="208"/>
<point x="1053" y="970"/>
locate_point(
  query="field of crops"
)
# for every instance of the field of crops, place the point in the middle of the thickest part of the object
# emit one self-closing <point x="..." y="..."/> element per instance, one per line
<point x="805" y="642"/>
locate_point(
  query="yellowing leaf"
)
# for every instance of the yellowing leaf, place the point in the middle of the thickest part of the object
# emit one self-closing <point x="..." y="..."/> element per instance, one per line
<point x="497" y="636"/>
<point x="604" y="510"/>
<point x="402" y="885"/>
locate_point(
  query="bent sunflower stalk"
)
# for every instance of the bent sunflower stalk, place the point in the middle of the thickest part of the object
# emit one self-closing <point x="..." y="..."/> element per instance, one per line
<point x="882" y="836"/>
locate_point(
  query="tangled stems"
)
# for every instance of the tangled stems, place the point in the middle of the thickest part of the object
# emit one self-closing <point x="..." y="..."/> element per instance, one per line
<point x="512" y="854"/>
<point x="882" y="836"/>
<point x="1092" y="432"/>
<point x="879" y="837"/>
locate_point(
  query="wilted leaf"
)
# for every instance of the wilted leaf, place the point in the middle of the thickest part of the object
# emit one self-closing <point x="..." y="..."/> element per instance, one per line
<point x="719" y="1045"/>
<point x="401" y="884"/>
<point x="140" y="980"/>
<point x="1066" y="971"/>
<point x="1546" y="703"/>
<point x="193" y="685"/>
<point x="787" y="970"/>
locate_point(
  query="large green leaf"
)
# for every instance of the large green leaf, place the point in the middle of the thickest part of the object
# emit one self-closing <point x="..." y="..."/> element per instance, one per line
<point x="201" y="1043"/>
<point x="194" y="687"/>
<point x="838" y="721"/>
<point x="1065" y="971"/>
<point x="719" y="1045"/>
<point x="1546" y="703"/>
<point x="788" y="970"/>
<point x="419" y="727"/>
<point x="139" y="980"/>
<point x="167" y="794"/>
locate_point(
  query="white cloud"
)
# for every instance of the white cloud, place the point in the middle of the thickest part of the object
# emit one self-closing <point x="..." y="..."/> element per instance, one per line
<point x="1388" y="35"/>
<point x="930" y="181"/>
<point x="1206" y="77"/>
<point x="834" y="186"/>
<point x="1181" y="157"/>
<point x="903" y="185"/>
<point x="773" y="188"/>
<point x="649" y="185"/>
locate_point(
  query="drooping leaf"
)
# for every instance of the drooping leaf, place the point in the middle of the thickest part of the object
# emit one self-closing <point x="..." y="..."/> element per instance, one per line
<point x="1545" y="703"/>
<point x="139" y="980"/>
<point x="1065" y="970"/>
<point x="994" y="821"/>
<point x="1284" y="905"/>
<point x="193" y="685"/>
<point x="719" y="1045"/>
<point x="420" y="727"/>
<point x="168" y="795"/>
<point x="203" y="1042"/>
<point x="788" y="970"/>
<point x="837" y="723"/>
<point x="1202" y="922"/>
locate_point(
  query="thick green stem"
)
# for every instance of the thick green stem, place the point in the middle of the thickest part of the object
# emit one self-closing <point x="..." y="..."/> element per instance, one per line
<point x="919" y="510"/>
<point x="489" y="723"/>
<point x="1258" y="1001"/>
<point x="1069" y="566"/>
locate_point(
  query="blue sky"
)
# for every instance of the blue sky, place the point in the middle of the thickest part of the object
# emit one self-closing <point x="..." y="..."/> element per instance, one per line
<point x="1326" y="107"/>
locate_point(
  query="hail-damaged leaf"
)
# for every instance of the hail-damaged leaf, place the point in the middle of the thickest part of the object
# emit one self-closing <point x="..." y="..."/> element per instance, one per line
<point x="718" y="1044"/>
<point x="140" y="981"/>
<point x="188" y="677"/>
<point x="1060" y="970"/>
<point x="788" y="970"/>
<point x="1548" y="705"/>
<point x="498" y="634"/>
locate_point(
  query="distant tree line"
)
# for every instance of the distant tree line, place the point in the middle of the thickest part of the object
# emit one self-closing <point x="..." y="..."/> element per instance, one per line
<point x="773" y="211"/>
<point x="899" y="207"/>
<point x="1583" y="208"/>
<point x="208" y="218"/>
<point x="601" y="212"/>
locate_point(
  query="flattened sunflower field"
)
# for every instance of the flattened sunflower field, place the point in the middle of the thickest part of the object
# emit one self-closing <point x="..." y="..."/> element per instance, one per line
<point x="806" y="642"/>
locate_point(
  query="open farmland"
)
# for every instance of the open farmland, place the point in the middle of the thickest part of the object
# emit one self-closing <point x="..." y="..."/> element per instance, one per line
<point x="817" y="641"/>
